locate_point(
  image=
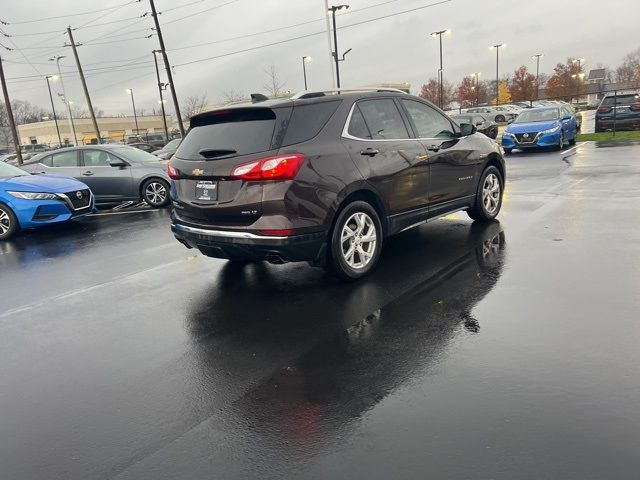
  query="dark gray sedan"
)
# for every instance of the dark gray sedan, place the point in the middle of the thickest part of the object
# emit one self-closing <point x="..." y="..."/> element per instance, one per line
<point x="115" y="173"/>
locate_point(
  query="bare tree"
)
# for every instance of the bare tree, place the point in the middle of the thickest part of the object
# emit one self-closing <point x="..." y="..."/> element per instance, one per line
<point x="193" y="105"/>
<point x="273" y="85"/>
<point x="232" y="95"/>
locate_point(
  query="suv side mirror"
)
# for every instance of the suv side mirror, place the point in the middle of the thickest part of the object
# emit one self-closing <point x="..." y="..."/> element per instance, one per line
<point x="566" y="117"/>
<point x="116" y="162"/>
<point x="467" y="129"/>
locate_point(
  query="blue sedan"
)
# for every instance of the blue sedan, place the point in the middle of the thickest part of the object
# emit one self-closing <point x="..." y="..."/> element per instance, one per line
<point x="541" y="127"/>
<point x="31" y="201"/>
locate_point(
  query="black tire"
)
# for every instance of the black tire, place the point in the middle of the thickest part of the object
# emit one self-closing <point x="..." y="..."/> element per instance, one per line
<point x="508" y="151"/>
<point x="493" y="133"/>
<point x="8" y="223"/>
<point x="500" y="119"/>
<point x="479" y="211"/>
<point x="572" y="141"/>
<point x="155" y="192"/>
<point x="337" y="264"/>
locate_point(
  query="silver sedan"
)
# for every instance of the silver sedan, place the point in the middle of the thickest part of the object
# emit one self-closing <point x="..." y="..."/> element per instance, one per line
<point x="115" y="173"/>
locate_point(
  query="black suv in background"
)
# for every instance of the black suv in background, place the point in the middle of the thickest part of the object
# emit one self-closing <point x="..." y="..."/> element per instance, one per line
<point x="325" y="177"/>
<point x="623" y="109"/>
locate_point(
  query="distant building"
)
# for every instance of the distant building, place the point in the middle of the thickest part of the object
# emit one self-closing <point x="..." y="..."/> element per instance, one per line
<point x="113" y="128"/>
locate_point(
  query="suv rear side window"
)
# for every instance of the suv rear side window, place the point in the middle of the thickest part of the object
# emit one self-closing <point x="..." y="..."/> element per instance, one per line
<point x="229" y="133"/>
<point x="428" y="122"/>
<point x="307" y="121"/>
<point x="357" y="126"/>
<point x="383" y="119"/>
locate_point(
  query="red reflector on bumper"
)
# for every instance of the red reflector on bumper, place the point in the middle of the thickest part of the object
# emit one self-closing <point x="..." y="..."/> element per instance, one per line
<point x="283" y="232"/>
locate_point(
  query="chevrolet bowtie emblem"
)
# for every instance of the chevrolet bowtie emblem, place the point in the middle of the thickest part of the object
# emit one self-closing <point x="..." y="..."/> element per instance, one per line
<point x="197" y="172"/>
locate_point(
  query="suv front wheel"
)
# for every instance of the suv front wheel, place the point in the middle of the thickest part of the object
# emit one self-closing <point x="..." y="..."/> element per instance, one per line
<point x="356" y="241"/>
<point x="489" y="196"/>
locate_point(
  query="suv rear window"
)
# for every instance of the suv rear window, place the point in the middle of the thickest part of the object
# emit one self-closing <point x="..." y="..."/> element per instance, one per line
<point x="621" y="100"/>
<point x="307" y="121"/>
<point x="238" y="132"/>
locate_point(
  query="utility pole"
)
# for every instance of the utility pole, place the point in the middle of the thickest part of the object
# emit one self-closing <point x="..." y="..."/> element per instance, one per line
<point x="84" y="86"/>
<point x="497" y="47"/>
<point x="167" y="67"/>
<point x="55" y="118"/>
<point x="160" y="89"/>
<point x="12" y="123"/>
<point x="72" y="127"/>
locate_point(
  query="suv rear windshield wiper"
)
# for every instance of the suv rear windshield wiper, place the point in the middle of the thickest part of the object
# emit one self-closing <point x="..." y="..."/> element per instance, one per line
<point x="216" y="152"/>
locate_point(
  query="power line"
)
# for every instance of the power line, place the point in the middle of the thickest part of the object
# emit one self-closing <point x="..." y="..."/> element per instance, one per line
<point x="257" y="47"/>
<point x="79" y="14"/>
<point x="201" y="11"/>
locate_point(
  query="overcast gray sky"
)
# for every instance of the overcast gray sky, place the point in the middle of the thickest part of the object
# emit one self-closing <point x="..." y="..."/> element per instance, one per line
<point x="398" y="48"/>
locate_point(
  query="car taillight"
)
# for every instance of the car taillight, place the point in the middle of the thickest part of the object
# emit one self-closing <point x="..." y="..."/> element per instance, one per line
<point x="635" y="106"/>
<point x="281" y="167"/>
<point x="603" y="109"/>
<point x="174" y="173"/>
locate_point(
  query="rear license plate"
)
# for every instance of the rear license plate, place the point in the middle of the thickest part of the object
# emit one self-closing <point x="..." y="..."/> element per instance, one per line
<point x="207" y="190"/>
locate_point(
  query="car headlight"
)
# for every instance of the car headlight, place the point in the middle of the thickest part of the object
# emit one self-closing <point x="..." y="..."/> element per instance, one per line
<point x="33" y="195"/>
<point x="550" y="130"/>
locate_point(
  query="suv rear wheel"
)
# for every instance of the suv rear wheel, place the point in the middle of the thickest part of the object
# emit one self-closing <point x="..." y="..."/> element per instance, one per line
<point x="356" y="241"/>
<point x="489" y="196"/>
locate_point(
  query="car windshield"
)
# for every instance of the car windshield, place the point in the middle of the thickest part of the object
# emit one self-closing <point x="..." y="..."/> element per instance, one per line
<point x="134" y="155"/>
<point x="7" y="171"/>
<point x="542" y="115"/>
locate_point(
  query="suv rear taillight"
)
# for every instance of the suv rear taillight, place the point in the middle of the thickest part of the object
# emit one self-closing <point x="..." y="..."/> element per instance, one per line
<point x="635" y="106"/>
<point x="280" y="167"/>
<point x="174" y="173"/>
<point x="603" y="109"/>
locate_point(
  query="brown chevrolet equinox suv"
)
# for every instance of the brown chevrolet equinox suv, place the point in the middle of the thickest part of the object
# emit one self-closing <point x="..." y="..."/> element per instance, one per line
<point x="325" y="177"/>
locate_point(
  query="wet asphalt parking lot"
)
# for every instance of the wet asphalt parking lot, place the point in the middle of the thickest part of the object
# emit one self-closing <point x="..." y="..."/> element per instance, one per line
<point x="499" y="351"/>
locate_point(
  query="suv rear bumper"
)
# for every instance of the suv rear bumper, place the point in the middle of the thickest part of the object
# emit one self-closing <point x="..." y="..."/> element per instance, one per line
<point x="240" y="245"/>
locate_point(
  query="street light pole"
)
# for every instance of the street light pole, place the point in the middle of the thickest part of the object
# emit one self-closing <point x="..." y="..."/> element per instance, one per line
<point x="497" y="47"/>
<point x="440" y="71"/>
<point x="305" y="59"/>
<point x="476" y="85"/>
<point x="537" y="56"/>
<point x="333" y="9"/>
<point x="55" y="118"/>
<point x="160" y="89"/>
<point x="72" y="128"/>
<point x="135" y="115"/>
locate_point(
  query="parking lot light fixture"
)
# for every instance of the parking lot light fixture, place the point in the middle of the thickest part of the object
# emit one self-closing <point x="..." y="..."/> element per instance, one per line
<point x="537" y="56"/>
<point x="497" y="48"/>
<point x="306" y="59"/>
<point x="332" y="11"/>
<point x="439" y="34"/>
<point x="72" y="128"/>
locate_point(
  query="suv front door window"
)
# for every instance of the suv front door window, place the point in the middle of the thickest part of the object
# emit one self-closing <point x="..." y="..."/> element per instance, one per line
<point x="452" y="167"/>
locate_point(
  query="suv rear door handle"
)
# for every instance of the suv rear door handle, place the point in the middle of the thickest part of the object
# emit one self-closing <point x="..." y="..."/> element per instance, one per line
<point x="433" y="148"/>
<point x="87" y="174"/>
<point x="369" y="152"/>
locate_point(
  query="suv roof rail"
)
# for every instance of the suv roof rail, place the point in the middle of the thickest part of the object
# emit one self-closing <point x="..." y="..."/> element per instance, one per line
<point x="320" y="93"/>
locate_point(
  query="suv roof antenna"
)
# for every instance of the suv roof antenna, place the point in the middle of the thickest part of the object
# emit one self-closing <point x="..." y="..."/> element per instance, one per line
<point x="258" y="97"/>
